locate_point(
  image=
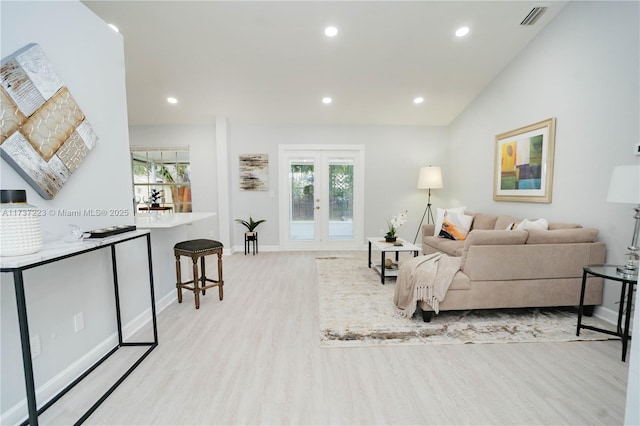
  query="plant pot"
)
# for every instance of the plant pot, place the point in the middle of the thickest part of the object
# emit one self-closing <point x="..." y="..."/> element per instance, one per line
<point x="390" y="239"/>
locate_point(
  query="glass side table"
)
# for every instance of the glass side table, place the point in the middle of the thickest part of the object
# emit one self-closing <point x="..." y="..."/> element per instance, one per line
<point x="610" y="272"/>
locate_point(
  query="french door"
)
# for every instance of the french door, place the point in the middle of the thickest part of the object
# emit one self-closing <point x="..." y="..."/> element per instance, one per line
<point x="321" y="196"/>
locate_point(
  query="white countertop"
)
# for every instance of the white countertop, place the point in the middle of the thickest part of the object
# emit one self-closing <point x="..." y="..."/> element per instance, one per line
<point x="59" y="248"/>
<point x="168" y="220"/>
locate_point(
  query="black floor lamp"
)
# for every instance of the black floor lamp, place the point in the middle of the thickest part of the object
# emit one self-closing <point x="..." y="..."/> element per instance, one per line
<point x="429" y="178"/>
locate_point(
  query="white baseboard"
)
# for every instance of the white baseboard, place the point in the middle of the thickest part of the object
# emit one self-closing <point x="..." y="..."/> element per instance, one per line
<point x="18" y="412"/>
<point x="610" y="317"/>
<point x="240" y="249"/>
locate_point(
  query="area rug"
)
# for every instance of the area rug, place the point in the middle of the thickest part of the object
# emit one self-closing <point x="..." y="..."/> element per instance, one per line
<point x="357" y="310"/>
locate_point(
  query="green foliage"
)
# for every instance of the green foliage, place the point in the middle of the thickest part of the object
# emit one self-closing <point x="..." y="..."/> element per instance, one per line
<point x="251" y="224"/>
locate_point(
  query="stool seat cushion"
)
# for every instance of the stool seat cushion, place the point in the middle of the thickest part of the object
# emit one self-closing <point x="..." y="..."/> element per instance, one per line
<point x="196" y="246"/>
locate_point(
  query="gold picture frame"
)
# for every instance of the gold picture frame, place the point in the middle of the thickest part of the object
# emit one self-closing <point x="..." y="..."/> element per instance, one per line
<point x="523" y="170"/>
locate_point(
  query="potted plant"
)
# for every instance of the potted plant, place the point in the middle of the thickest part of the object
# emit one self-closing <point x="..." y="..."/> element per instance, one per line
<point x="155" y="197"/>
<point x="251" y="225"/>
<point x="394" y="223"/>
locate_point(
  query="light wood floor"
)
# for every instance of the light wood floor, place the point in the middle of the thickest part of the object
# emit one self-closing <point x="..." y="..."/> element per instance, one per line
<point x="254" y="358"/>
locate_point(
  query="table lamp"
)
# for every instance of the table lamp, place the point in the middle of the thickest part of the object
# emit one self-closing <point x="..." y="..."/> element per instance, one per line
<point x="624" y="187"/>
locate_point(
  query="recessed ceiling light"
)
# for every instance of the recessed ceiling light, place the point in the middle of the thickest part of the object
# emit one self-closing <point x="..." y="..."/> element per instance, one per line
<point x="462" y="31"/>
<point x="327" y="100"/>
<point x="172" y="100"/>
<point x="418" y="100"/>
<point x="330" y="31"/>
<point x="114" y="28"/>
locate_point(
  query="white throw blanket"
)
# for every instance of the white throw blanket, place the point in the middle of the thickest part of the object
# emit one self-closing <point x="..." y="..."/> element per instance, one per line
<point x="424" y="278"/>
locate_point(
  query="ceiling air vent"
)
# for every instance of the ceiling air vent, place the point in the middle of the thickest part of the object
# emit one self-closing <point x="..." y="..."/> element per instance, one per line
<point x="533" y="16"/>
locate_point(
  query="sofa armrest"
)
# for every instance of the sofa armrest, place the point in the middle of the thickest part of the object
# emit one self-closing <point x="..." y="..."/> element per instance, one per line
<point x="428" y="230"/>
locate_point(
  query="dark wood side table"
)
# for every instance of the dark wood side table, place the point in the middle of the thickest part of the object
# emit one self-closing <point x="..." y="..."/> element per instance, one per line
<point x="610" y="272"/>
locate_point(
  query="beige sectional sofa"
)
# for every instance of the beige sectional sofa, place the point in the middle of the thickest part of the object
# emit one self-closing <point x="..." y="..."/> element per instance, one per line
<point x="502" y="268"/>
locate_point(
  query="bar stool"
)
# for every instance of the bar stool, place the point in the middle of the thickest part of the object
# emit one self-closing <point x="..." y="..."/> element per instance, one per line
<point x="198" y="249"/>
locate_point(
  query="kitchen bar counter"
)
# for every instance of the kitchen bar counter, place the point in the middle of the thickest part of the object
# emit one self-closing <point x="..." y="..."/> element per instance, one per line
<point x="168" y="220"/>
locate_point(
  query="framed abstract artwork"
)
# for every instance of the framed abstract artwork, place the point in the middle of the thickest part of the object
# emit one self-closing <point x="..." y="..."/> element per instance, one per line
<point x="254" y="172"/>
<point x="44" y="135"/>
<point x="523" y="169"/>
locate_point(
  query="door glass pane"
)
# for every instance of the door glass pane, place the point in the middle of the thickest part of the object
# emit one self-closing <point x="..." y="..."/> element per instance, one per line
<point x="301" y="211"/>
<point x="340" y="199"/>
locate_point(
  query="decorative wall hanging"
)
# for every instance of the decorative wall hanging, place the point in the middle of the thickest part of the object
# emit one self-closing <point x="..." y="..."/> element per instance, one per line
<point x="254" y="172"/>
<point x="44" y="135"/>
<point x="524" y="163"/>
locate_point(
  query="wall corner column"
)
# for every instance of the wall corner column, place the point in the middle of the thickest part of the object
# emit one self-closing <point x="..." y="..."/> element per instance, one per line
<point x="224" y="205"/>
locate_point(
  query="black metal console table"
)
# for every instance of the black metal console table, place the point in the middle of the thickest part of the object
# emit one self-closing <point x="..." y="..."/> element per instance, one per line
<point x="610" y="272"/>
<point x="17" y="265"/>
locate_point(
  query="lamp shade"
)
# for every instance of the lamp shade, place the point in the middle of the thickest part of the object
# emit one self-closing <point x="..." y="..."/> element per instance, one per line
<point x="624" y="186"/>
<point x="430" y="178"/>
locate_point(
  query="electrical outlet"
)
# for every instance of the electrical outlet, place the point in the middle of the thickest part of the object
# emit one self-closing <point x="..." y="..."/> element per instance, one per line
<point x="78" y="321"/>
<point x="36" y="349"/>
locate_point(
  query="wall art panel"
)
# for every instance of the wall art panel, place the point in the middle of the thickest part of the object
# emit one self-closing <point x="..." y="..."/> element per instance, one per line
<point x="44" y="134"/>
<point x="254" y="172"/>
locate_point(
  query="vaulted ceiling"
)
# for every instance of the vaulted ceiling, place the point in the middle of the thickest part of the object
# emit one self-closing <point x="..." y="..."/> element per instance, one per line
<point x="270" y="62"/>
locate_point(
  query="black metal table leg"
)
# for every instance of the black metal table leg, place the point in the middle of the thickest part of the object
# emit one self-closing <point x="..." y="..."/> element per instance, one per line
<point x="581" y="305"/>
<point x="625" y="336"/>
<point x="623" y="291"/>
<point x="382" y="267"/>
<point x="26" y="348"/>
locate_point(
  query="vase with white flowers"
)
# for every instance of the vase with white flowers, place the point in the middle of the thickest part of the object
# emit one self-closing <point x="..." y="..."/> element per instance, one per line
<point x="394" y="223"/>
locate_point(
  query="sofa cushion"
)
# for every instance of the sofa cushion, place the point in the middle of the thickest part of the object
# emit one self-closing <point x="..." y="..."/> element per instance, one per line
<point x="503" y="221"/>
<point x="483" y="221"/>
<point x="445" y="245"/>
<point x="481" y="237"/>
<point x="562" y="236"/>
<point x="558" y="225"/>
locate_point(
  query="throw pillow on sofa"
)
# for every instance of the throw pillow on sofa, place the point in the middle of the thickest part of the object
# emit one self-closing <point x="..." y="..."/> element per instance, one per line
<point x="525" y="225"/>
<point x="455" y="226"/>
<point x="440" y="217"/>
<point x="539" y="224"/>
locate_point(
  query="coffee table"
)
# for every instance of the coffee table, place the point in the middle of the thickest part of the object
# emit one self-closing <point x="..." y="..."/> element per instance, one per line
<point x="384" y="247"/>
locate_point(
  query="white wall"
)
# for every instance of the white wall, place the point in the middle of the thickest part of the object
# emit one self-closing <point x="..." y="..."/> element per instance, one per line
<point x="89" y="58"/>
<point x="393" y="157"/>
<point x="201" y="141"/>
<point x="583" y="69"/>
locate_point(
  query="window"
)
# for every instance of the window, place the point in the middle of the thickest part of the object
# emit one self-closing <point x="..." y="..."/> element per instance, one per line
<point x="161" y="179"/>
